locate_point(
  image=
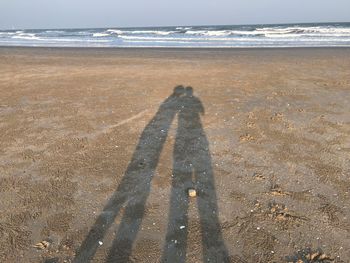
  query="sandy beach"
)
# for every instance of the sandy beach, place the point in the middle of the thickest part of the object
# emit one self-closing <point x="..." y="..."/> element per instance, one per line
<point x="99" y="147"/>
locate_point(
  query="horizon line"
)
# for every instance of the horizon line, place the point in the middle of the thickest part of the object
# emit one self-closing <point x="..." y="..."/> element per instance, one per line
<point x="170" y="26"/>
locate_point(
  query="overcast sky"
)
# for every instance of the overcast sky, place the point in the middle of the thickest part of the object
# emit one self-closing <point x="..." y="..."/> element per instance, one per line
<point x="127" y="13"/>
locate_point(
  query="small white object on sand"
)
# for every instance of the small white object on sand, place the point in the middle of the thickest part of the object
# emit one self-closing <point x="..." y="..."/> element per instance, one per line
<point x="192" y="192"/>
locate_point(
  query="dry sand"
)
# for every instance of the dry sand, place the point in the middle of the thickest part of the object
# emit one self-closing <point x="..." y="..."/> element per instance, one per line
<point x="95" y="164"/>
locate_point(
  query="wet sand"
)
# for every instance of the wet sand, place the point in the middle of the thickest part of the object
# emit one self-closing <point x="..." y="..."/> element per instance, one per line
<point x="97" y="154"/>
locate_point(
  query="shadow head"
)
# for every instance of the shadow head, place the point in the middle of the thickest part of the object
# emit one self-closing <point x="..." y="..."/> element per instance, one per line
<point x="189" y="91"/>
<point x="179" y="90"/>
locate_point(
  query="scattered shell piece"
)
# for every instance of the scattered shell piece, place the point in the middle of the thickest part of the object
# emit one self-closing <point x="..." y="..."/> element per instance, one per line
<point x="318" y="256"/>
<point x="192" y="192"/>
<point x="100" y="243"/>
<point x="182" y="227"/>
<point x="258" y="176"/>
<point x="42" y="245"/>
<point x="276" y="190"/>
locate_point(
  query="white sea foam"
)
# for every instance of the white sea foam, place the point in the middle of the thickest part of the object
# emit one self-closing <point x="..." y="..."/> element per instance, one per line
<point x="26" y="36"/>
<point x="183" y="28"/>
<point x="115" y="31"/>
<point x="7" y="33"/>
<point x="76" y="40"/>
<point x="155" y="32"/>
<point x="218" y="33"/>
<point x="221" y="32"/>
<point x="150" y="38"/>
<point x="141" y="32"/>
<point x="305" y="30"/>
<point x="174" y="42"/>
<point x="100" y="34"/>
<point x="195" y="32"/>
<point x="55" y="31"/>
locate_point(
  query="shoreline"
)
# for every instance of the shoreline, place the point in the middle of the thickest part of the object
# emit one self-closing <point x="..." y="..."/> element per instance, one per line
<point x="180" y="53"/>
<point x="179" y="48"/>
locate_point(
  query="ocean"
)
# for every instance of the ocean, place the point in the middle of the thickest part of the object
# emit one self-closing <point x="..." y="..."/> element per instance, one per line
<point x="278" y="35"/>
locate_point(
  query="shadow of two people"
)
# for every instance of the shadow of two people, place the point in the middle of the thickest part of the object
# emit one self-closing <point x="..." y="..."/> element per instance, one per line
<point x="191" y="168"/>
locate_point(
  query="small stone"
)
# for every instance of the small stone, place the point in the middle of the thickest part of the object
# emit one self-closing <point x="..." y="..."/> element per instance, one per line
<point x="192" y="192"/>
<point x="182" y="227"/>
<point x="100" y="243"/>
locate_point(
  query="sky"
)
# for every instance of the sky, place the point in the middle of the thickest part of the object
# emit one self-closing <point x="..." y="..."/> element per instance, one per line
<point x="35" y="14"/>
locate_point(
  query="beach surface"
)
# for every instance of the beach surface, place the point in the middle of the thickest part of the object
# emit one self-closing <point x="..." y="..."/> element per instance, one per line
<point x="97" y="154"/>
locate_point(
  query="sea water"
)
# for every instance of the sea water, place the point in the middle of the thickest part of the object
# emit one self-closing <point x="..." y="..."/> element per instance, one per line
<point x="278" y="35"/>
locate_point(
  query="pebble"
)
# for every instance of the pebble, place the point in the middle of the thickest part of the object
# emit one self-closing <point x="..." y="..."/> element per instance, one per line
<point x="182" y="227"/>
<point x="100" y="243"/>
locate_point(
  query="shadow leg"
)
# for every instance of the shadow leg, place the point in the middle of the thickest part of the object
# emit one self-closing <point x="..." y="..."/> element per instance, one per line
<point x="176" y="238"/>
<point x="121" y="248"/>
<point x="214" y="249"/>
<point x="98" y="230"/>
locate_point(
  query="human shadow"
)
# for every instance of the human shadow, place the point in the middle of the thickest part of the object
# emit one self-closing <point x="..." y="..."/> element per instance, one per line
<point x="192" y="169"/>
<point x="132" y="192"/>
